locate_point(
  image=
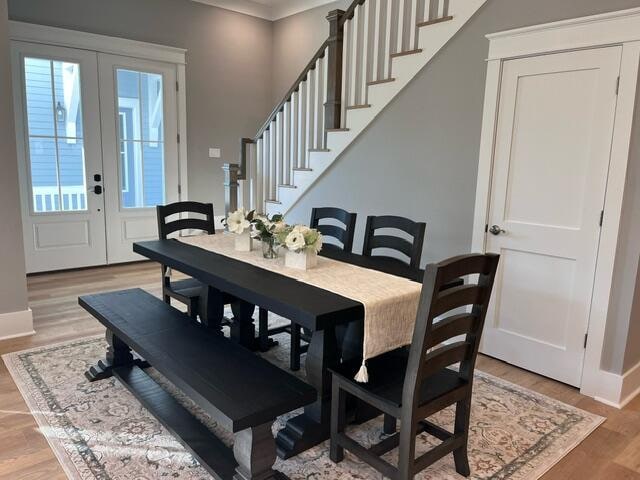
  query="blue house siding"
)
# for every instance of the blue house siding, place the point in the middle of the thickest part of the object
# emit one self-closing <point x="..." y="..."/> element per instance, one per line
<point x="59" y="159"/>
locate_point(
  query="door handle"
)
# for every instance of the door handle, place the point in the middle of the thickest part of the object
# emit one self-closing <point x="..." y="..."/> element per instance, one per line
<point x="496" y="230"/>
<point x="97" y="190"/>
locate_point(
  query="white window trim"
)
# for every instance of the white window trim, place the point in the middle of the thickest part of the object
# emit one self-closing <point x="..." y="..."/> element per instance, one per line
<point x="614" y="28"/>
<point x="30" y="32"/>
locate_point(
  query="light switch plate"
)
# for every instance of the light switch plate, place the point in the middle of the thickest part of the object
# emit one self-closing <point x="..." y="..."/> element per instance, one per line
<point x="215" y="153"/>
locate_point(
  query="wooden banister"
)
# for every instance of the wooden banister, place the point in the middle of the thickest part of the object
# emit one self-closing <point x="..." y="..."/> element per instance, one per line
<point x="310" y="66"/>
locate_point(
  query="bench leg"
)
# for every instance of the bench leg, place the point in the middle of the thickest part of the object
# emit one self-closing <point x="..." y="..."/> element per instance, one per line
<point x="255" y="452"/>
<point x="118" y="355"/>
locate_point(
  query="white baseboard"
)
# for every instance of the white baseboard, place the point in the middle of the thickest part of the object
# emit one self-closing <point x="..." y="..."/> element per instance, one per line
<point x="16" y="324"/>
<point x="617" y="390"/>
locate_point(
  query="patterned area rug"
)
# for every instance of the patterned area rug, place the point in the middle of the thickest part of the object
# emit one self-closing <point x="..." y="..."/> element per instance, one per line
<point x="99" y="431"/>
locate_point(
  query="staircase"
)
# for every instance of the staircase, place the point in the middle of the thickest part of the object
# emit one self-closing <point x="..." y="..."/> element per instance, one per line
<point x="374" y="50"/>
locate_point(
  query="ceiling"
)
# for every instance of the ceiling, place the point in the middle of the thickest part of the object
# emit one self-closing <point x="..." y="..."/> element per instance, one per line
<point x="269" y="9"/>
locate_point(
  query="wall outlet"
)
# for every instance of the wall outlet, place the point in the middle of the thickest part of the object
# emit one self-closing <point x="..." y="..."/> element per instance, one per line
<point x="215" y="152"/>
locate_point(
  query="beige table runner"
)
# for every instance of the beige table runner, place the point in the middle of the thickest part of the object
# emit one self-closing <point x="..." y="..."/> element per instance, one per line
<point x="390" y="302"/>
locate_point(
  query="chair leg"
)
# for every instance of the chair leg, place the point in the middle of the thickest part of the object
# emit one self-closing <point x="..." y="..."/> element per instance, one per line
<point x="460" y="456"/>
<point x="167" y="299"/>
<point x="338" y="420"/>
<point x="407" y="450"/>
<point x="390" y="425"/>
<point x="294" y="352"/>
<point x="192" y="309"/>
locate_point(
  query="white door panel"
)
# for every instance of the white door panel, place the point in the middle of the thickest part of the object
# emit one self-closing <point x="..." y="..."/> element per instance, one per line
<point x="140" y="149"/>
<point x="58" y="138"/>
<point x="551" y="158"/>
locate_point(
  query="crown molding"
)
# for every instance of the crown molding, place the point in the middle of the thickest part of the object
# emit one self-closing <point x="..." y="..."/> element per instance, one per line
<point x="256" y="9"/>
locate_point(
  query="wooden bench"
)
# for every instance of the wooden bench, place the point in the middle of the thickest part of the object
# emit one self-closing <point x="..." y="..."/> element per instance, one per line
<point x="243" y="392"/>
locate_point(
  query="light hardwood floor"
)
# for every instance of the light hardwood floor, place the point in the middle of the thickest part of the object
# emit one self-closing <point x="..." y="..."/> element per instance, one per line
<point x="611" y="452"/>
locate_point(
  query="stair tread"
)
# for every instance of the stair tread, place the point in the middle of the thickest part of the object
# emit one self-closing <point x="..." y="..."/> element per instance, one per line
<point x="355" y="107"/>
<point x="406" y="52"/>
<point x="302" y="169"/>
<point x="319" y="150"/>
<point x="276" y="202"/>
<point x="287" y="185"/>
<point x="338" y="129"/>
<point x="378" y="82"/>
<point x="435" y="20"/>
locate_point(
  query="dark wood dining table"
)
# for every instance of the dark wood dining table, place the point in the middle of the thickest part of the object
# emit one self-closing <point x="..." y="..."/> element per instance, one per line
<point x="318" y="310"/>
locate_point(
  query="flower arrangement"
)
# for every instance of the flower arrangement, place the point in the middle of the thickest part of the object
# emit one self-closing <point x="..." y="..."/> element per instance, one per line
<point x="302" y="244"/>
<point x="267" y="229"/>
<point x="239" y="223"/>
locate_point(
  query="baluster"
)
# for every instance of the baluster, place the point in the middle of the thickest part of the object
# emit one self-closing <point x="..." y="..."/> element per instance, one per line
<point x="378" y="40"/>
<point x="413" y="24"/>
<point x="445" y="8"/>
<point x="279" y="149"/>
<point x="311" y="114"/>
<point x="354" y="82"/>
<point x="258" y="202"/>
<point x="266" y="169"/>
<point x="367" y="32"/>
<point x="273" y="161"/>
<point x="295" y="119"/>
<point x="402" y="20"/>
<point x="334" y="71"/>
<point x="388" y="43"/>
<point x="286" y="144"/>
<point x="320" y="90"/>
<point x="302" y="130"/>
<point x="433" y="6"/>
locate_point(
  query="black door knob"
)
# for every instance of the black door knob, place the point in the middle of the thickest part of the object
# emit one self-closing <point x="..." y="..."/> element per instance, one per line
<point x="97" y="190"/>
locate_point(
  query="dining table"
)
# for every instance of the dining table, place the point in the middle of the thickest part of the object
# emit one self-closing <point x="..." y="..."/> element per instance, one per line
<point x="317" y="310"/>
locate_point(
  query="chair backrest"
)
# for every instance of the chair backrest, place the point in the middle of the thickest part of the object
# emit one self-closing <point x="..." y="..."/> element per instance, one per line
<point x="343" y="234"/>
<point x="411" y="249"/>
<point x="165" y="228"/>
<point x="460" y="311"/>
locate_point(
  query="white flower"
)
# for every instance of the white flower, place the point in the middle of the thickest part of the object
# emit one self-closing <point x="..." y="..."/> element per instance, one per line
<point x="237" y="221"/>
<point x="295" y="241"/>
<point x="279" y="226"/>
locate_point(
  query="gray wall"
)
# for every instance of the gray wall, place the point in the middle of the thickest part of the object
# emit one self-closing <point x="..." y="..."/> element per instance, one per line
<point x="228" y="55"/>
<point x="419" y="157"/>
<point x="13" y="285"/>
<point x="295" y="40"/>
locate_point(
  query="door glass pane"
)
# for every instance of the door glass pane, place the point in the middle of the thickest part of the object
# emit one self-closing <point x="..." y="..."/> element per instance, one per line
<point x="141" y="138"/>
<point x="54" y="124"/>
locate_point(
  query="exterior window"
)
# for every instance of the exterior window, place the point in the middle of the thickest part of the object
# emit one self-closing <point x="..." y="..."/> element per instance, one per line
<point x="55" y="135"/>
<point x="141" y="131"/>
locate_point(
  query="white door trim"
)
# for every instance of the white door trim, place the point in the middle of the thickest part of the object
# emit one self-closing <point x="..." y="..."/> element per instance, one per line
<point x="615" y="28"/>
<point x="31" y="32"/>
<point x="34" y="33"/>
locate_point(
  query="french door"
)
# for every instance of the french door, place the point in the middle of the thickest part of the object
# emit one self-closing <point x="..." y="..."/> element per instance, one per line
<point x="97" y="150"/>
<point x="140" y="149"/>
<point x="551" y="159"/>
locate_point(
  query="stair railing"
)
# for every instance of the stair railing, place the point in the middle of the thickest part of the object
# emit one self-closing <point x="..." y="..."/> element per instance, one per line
<point x="362" y="42"/>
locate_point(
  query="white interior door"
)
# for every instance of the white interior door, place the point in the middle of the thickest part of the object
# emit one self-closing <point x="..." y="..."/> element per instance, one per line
<point x="552" y="148"/>
<point x="59" y="156"/>
<point x="140" y="148"/>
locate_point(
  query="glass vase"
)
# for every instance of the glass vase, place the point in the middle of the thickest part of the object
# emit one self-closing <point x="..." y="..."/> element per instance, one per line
<point x="269" y="248"/>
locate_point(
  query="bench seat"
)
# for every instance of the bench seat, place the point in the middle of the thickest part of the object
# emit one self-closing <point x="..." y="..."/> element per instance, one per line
<point x="243" y="392"/>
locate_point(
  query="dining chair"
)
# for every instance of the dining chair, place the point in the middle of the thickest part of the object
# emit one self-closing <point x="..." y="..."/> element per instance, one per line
<point x="187" y="291"/>
<point x="411" y="249"/>
<point x="413" y="384"/>
<point x="344" y="235"/>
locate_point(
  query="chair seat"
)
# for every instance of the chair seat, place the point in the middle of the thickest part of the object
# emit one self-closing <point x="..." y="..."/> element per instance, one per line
<point x="386" y="378"/>
<point x="189" y="287"/>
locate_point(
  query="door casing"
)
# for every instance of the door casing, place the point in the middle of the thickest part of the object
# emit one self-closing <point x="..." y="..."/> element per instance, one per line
<point x="613" y="28"/>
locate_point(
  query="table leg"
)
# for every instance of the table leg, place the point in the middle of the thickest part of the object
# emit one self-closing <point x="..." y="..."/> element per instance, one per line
<point x="118" y="355"/>
<point x="243" y="330"/>
<point x="212" y="308"/>
<point x="312" y="427"/>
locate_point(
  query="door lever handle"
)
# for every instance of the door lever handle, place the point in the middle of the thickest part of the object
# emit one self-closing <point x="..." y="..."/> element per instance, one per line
<point x="496" y="230"/>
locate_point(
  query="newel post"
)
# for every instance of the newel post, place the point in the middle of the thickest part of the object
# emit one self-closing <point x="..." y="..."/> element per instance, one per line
<point x="231" y="174"/>
<point x="332" y="107"/>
